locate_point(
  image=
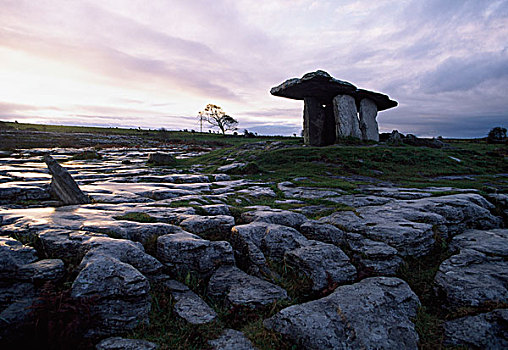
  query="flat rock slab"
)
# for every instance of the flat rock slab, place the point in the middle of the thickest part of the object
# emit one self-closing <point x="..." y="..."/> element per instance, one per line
<point x="483" y="331"/>
<point x="318" y="84"/>
<point x="118" y="343"/>
<point x="408" y="225"/>
<point x="375" y="313"/>
<point x="231" y="339"/>
<point x="241" y="289"/>
<point x="188" y="305"/>
<point x="192" y="308"/>
<point x="275" y="216"/>
<point x="134" y="231"/>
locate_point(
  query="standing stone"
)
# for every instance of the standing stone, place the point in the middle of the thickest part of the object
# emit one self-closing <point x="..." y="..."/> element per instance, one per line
<point x="63" y="185"/>
<point x="346" y="119"/>
<point x="368" y="123"/>
<point x="317" y="131"/>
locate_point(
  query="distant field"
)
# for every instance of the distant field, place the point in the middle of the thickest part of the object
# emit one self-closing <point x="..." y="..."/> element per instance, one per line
<point x="132" y="137"/>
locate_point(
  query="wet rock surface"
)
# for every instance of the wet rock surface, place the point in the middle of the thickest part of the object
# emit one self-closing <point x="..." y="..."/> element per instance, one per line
<point x="152" y="225"/>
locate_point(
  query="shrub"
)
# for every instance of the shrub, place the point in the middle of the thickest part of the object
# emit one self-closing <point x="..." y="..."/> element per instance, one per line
<point x="497" y="135"/>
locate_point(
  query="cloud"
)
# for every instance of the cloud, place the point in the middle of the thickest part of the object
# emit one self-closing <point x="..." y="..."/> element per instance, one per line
<point x="443" y="61"/>
<point x="461" y="74"/>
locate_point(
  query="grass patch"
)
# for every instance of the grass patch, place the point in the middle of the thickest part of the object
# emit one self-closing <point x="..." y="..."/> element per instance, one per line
<point x="296" y="283"/>
<point x="137" y="217"/>
<point x="406" y="165"/>
<point x="264" y="338"/>
<point x="169" y="331"/>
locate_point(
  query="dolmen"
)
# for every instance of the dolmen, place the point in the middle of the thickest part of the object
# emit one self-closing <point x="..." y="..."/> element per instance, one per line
<point x="334" y="109"/>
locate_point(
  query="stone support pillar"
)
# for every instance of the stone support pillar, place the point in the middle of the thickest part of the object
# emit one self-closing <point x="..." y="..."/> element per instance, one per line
<point x="368" y="123"/>
<point x="346" y="117"/>
<point x="313" y="122"/>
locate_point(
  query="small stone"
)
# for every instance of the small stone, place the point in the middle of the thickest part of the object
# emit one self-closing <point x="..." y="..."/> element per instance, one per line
<point x="118" y="343"/>
<point x="192" y="308"/>
<point x="231" y="339"/>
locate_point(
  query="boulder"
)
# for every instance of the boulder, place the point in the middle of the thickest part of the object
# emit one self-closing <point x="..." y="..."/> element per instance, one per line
<point x="395" y="138"/>
<point x="322" y="232"/>
<point x="280" y="239"/>
<point x="346" y="118"/>
<point x="208" y="225"/>
<point x="241" y="289"/>
<point x="375" y="313"/>
<point x="378" y="257"/>
<point x="159" y="158"/>
<point x="478" y="274"/>
<point x="472" y="278"/>
<point x="368" y="123"/>
<point x="231" y="339"/>
<point x="63" y="185"/>
<point x="42" y="270"/>
<point x="483" y="331"/>
<point x="120" y="295"/>
<point x="183" y="252"/>
<point x="126" y="251"/>
<point x="325" y="264"/>
<point x="13" y="255"/>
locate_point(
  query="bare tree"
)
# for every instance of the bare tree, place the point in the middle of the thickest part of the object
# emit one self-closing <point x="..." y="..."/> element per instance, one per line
<point x="214" y="115"/>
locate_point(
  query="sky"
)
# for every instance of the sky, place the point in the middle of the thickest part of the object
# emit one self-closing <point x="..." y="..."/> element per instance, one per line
<point x="157" y="63"/>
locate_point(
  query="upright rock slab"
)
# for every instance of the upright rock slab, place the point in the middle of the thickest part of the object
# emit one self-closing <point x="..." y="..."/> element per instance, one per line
<point x="368" y="123"/>
<point x="63" y="185"/>
<point x="316" y="121"/>
<point x="346" y="118"/>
